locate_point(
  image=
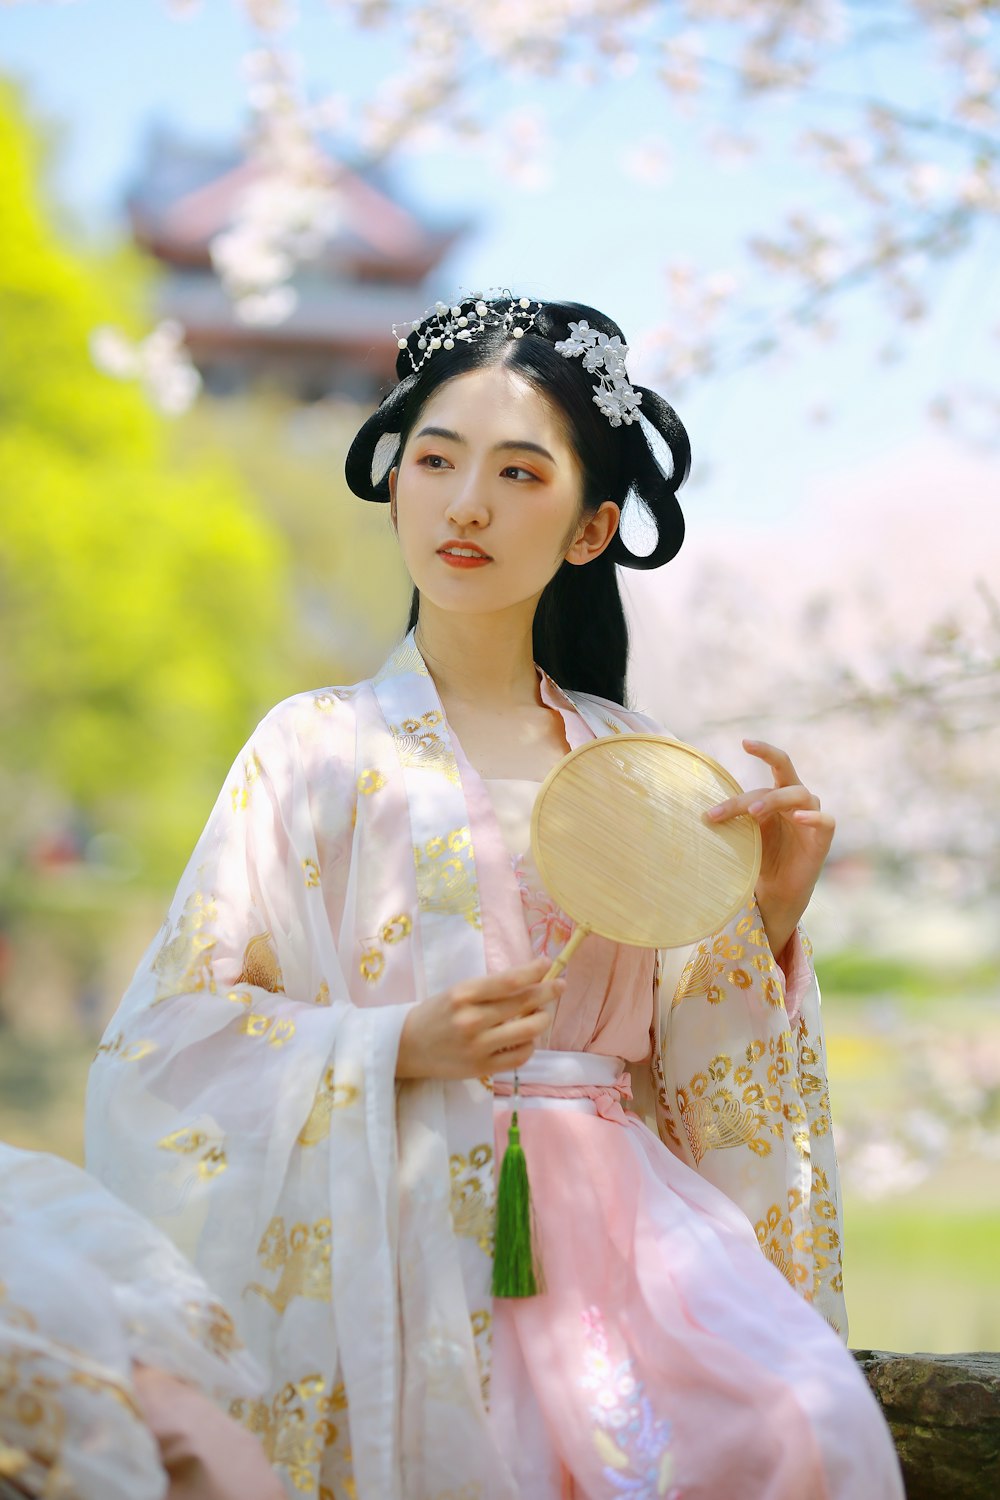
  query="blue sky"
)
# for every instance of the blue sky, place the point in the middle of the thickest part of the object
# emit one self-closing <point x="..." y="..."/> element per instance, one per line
<point x="106" y="69"/>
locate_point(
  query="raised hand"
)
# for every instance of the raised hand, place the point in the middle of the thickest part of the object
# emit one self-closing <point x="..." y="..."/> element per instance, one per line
<point x="796" y="836"/>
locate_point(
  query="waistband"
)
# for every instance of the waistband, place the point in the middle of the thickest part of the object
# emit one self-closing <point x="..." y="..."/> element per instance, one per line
<point x="584" y="1081"/>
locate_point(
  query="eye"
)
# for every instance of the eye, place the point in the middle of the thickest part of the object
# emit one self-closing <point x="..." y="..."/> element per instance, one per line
<point x="516" y="470"/>
<point x="433" y="461"/>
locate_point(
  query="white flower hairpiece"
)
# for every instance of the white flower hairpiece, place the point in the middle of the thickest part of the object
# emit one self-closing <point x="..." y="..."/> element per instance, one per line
<point x="442" y="327"/>
<point x="605" y="358"/>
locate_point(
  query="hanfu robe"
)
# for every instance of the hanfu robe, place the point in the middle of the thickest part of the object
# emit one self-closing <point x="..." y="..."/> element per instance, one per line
<point x="678" y="1137"/>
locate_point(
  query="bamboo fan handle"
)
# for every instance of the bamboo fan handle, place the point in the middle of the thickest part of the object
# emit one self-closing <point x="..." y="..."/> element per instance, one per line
<point x="562" y="959"/>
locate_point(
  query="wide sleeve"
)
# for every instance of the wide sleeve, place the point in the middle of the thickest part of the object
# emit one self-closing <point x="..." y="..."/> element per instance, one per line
<point x="94" y="1301"/>
<point x="245" y="1104"/>
<point x="740" y="1082"/>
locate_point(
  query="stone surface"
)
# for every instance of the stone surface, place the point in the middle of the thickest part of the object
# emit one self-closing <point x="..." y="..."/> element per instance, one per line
<point x="944" y="1414"/>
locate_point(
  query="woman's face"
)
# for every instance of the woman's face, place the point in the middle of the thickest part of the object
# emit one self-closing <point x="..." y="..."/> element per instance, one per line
<point x="488" y="471"/>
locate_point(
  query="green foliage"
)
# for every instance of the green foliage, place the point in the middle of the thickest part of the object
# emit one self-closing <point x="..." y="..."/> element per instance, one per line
<point x="143" y="597"/>
<point x="855" y="972"/>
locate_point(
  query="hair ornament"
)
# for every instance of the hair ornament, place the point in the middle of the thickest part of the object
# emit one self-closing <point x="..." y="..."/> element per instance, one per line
<point x="442" y="327"/>
<point x="604" y="357"/>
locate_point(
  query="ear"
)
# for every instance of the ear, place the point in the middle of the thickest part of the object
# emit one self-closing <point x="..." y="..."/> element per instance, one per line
<point x="594" y="534"/>
<point x="393" y="475"/>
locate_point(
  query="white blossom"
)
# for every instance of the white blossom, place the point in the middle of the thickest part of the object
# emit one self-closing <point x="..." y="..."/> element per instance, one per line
<point x="159" y="362"/>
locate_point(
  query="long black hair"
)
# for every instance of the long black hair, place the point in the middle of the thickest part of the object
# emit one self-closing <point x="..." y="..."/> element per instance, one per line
<point x="580" y="636"/>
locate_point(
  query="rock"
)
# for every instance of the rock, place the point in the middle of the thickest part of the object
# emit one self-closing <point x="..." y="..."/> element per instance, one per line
<point x="944" y="1414"/>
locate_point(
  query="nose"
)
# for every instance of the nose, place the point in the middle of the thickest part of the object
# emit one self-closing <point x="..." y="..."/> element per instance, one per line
<point x="467" y="505"/>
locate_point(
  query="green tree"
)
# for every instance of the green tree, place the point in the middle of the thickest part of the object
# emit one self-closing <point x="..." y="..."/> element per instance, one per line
<point x="143" y="595"/>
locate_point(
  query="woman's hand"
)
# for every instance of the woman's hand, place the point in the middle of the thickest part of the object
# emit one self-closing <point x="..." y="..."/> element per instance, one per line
<point x="481" y="1026"/>
<point x="796" y="836"/>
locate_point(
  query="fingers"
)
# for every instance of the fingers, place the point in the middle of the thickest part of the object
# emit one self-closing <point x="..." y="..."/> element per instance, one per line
<point x="779" y="760"/>
<point x="508" y="982"/>
<point x="513" y="1043"/>
<point x="762" y="804"/>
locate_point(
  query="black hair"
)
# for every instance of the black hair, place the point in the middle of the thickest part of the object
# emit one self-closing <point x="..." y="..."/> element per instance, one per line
<point x="580" y="636"/>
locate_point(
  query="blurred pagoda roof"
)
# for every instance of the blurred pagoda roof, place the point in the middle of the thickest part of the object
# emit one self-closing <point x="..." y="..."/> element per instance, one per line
<point x="372" y="270"/>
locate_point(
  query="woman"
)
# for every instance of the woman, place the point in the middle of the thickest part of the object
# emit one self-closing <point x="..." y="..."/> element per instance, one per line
<point x="308" y="1084"/>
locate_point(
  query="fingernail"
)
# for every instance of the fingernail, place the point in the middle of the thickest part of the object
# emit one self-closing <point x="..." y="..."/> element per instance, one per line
<point x="715" y="812"/>
<point x="756" y="807"/>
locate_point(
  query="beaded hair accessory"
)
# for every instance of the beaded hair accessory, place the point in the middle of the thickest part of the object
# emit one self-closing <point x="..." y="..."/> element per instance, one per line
<point x="442" y="327"/>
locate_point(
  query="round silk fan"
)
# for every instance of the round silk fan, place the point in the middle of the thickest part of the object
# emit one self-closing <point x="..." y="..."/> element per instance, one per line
<point x="619" y="836"/>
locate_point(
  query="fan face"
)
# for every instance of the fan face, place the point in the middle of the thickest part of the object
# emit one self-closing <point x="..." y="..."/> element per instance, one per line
<point x="619" y="839"/>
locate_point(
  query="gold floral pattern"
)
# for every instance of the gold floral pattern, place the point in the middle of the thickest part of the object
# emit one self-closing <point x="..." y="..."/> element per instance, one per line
<point x="302" y="1428"/>
<point x="420" y="747"/>
<point x="370" y="781"/>
<point x="328" y="699"/>
<point x="405" y="658"/>
<point x="214" y="1329"/>
<point x="302" y="1255"/>
<point x="372" y="964"/>
<point x="446" y="881"/>
<point x="192" y="1140"/>
<point x="125" y="1051"/>
<point x="482" y="1329"/>
<point x="242" y="793"/>
<point x="471" y="1199"/>
<point x="260" y="965"/>
<point x="184" y="962"/>
<point x="276" y="1030"/>
<point x="310" y="870"/>
<point x="329" y="1096"/>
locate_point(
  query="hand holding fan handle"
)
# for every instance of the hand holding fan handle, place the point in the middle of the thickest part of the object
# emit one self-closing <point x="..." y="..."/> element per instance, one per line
<point x="562" y="959"/>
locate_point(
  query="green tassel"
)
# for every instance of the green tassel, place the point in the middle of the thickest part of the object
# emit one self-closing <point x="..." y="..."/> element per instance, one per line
<point x="516" y="1272"/>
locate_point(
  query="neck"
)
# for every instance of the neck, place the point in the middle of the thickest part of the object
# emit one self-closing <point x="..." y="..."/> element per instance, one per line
<point x="479" y="659"/>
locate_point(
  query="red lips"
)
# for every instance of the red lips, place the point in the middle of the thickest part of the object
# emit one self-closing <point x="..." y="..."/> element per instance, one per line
<point x="471" y="555"/>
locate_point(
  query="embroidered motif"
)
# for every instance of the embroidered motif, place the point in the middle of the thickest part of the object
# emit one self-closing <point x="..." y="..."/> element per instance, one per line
<point x="329" y="1096"/>
<point x="327" y="700"/>
<point x="715" y="1122"/>
<point x="127" y="1051"/>
<point x="301" y="1428"/>
<point x="482" y="1327"/>
<point x="372" y="963"/>
<point x="278" y="1032"/>
<point x="774" y="1233"/>
<point x="549" y="928"/>
<point x="241" y="795"/>
<point x="260" y="965"/>
<point x="310" y="870"/>
<point x="445" y="880"/>
<point x="303" y="1258"/>
<point x="184" y="962"/>
<point x="405" y="658"/>
<point x="370" y="781"/>
<point x="189" y="1140"/>
<point x="211" y="1325"/>
<point x="471" y="1204"/>
<point x="423" y="749"/>
<point x="632" y="1442"/>
<point x="322" y="995"/>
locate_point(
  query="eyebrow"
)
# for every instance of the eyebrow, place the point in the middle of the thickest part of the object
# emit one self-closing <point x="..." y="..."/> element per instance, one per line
<point x="514" y="444"/>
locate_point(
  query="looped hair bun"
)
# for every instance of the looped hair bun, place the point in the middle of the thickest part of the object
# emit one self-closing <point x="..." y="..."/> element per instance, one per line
<point x="639" y="465"/>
